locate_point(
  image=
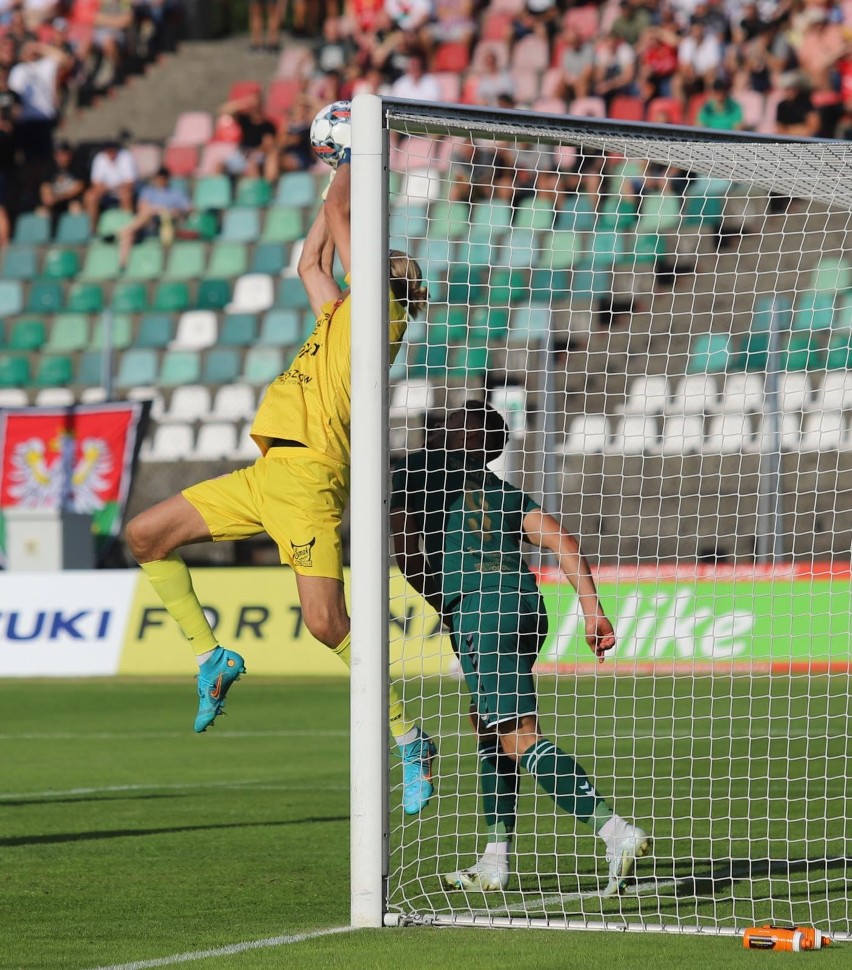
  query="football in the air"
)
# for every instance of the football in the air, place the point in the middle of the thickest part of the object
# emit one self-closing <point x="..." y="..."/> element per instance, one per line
<point x="331" y="131"/>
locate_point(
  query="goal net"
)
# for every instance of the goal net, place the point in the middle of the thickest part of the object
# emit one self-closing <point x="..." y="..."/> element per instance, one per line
<point x="664" y="319"/>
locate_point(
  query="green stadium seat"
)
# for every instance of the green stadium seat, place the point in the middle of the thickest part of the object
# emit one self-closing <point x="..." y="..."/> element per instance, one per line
<point x="832" y="275"/>
<point x="268" y="258"/>
<point x="228" y="260"/>
<point x="710" y="353"/>
<point x="2" y="334"/>
<point x="803" y="353"/>
<point x="434" y="255"/>
<point x="21" y="263"/>
<point x="489" y="221"/>
<point x="449" y="220"/>
<point x="112" y="221"/>
<point x="238" y="330"/>
<point x="180" y="367"/>
<point x="32" y="229"/>
<point x="240" y="225"/>
<point x="101" y="262"/>
<point x="588" y="284"/>
<point x="478" y="255"/>
<point x="577" y="214"/>
<point x="642" y="249"/>
<point x="213" y="294"/>
<point x="172" y="297"/>
<point x="704" y="204"/>
<point x="408" y="221"/>
<point x="529" y="324"/>
<point x="291" y="294"/>
<point x="814" y="310"/>
<point x="14" y="370"/>
<point x="155" y="331"/>
<point x="535" y="212"/>
<point x="186" y="261"/>
<point x="121" y="331"/>
<point x="548" y="285"/>
<point x="212" y="192"/>
<point x="764" y="308"/>
<point x="221" y="366"/>
<point x="839" y="356"/>
<point x="11" y="298"/>
<point x="263" y="364"/>
<point x="73" y="229"/>
<point x="54" y="370"/>
<point x="280" y="328"/>
<point x="253" y="193"/>
<point x="89" y="369"/>
<point x="607" y="246"/>
<point x="468" y="361"/>
<point x="486" y="324"/>
<point x="137" y="366"/>
<point x="205" y="224"/>
<point x="85" y="298"/>
<point x="659" y="212"/>
<point x="61" y="264"/>
<point x="130" y="297"/>
<point x="68" y="332"/>
<point x="45" y="297"/>
<point x="282" y="225"/>
<point x="296" y="190"/>
<point x="506" y="286"/>
<point x="27" y="335"/>
<point x="559" y="250"/>
<point x="753" y="353"/>
<point x="146" y="261"/>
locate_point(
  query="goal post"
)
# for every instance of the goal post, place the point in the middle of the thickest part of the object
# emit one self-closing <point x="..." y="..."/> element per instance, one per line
<point x="663" y="316"/>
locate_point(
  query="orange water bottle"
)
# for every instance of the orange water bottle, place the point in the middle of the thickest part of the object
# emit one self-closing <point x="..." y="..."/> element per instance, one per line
<point x="795" y="938"/>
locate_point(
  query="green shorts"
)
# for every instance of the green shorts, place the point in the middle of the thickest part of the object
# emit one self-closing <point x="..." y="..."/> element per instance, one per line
<point x="498" y="639"/>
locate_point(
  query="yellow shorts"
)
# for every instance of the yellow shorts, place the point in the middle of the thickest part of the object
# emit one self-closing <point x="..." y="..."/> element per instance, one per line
<point x="296" y="495"/>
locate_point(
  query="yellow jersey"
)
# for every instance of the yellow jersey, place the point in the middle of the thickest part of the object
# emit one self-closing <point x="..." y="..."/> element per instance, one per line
<point x="311" y="402"/>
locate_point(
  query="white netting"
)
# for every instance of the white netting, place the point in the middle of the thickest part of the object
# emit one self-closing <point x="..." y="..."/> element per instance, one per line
<point x="666" y="323"/>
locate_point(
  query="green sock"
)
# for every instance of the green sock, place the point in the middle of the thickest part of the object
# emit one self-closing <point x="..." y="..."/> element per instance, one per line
<point x="498" y="788"/>
<point x="558" y="774"/>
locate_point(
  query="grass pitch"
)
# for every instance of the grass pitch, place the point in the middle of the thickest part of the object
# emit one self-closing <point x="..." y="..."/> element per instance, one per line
<point x="126" y="838"/>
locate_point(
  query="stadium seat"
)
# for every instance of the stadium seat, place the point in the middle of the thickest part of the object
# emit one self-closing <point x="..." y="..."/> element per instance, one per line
<point x="89" y="373"/>
<point x="180" y="367"/>
<point x="129" y="297"/>
<point x="253" y="193"/>
<point x="646" y="394"/>
<point x="291" y="294"/>
<point x="253" y="293"/>
<point x="824" y="430"/>
<point x="665" y="111"/>
<point x="270" y="258"/>
<point x="216" y="440"/>
<point x="635" y="434"/>
<point x="101" y="262"/>
<point x="704" y="204"/>
<point x="729" y="433"/>
<point x="214" y="156"/>
<point x="814" y="310"/>
<point x="627" y="108"/>
<point x="14" y="370"/>
<point x="240" y="225"/>
<point x="280" y="328"/>
<point x="73" y="229"/>
<point x="839" y="356"/>
<point x="683" y="434"/>
<point x="803" y="352"/>
<point x="505" y="287"/>
<point x="534" y="212"/>
<point x="281" y="95"/>
<point x="54" y="397"/>
<point x="487" y="221"/>
<point x="54" y="370"/>
<point x="710" y="353"/>
<point x="155" y="331"/>
<point x="588" y="434"/>
<point x="204" y="224"/>
<point x="212" y="192"/>
<point x="221" y="366"/>
<point x="238" y="330"/>
<point x="451" y="56"/>
<point x="68" y="332"/>
<point x="529" y="325"/>
<point x="242" y="89"/>
<point x="559" y="250"/>
<point x="832" y="275"/>
<point x="192" y="128"/>
<point x="85" y="298"/>
<point x="171" y="297"/>
<point x="112" y="221"/>
<point x="282" y="225"/>
<point x="213" y="294"/>
<point x="13" y="397"/>
<point x="170" y="442"/>
<point x="148" y="157"/>
<point x="120" y="330"/>
<point x="658" y="212"/>
<point x="577" y="214"/>
<point x="32" y="229"/>
<point x="190" y="402"/>
<point x="44" y="297"/>
<point x="20" y="263"/>
<point x="137" y="366"/>
<point x="181" y="159"/>
<point x="11" y="298"/>
<point x="588" y="107"/>
<point x="60" y="264"/>
<point x="186" y="261"/>
<point x="234" y="402"/>
<point x="262" y="364"/>
<point x="296" y="190"/>
<point x="196" y="330"/>
<point x="696" y="394"/>
<point x="146" y="261"/>
<point x="228" y="259"/>
<point x="27" y="334"/>
<point x="743" y="393"/>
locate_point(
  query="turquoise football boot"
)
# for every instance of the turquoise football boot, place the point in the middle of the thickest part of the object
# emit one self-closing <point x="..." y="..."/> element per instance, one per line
<point x="215" y="676"/>
<point x="417" y="787"/>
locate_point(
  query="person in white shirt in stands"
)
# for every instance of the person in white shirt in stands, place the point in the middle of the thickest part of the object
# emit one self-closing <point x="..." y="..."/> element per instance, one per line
<point x="416" y="84"/>
<point x="114" y="178"/>
<point x="37" y="12"/>
<point x="34" y="78"/>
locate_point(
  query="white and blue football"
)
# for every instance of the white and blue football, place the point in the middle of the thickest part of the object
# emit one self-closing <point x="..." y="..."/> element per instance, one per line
<point x="331" y="131"/>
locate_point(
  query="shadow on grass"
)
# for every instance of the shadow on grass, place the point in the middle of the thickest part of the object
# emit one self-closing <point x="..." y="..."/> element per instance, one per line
<point x="724" y="873"/>
<point x="42" y="802"/>
<point x="60" y="837"/>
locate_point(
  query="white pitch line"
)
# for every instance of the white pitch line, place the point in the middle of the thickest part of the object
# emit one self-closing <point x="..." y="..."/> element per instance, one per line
<point x="642" y="889"/>
<point x="155" y="735"/>
<point x="257" y="784"/>
<point x="226" y="951"/>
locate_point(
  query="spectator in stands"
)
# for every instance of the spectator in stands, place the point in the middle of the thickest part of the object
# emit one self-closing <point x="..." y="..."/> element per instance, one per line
<point x="10" y="109"/>
<point x="613" y="68"/>
<point x="409" y="15"/>
<point x="699" y="58"/>
<point x="65" y="186"/>
<point x="416" y="84"/>
<point x="297" y="154"/>
<point x="819" y="45"/>
<point x="632" y="21"/>
<point x="372" y="81"/>
<point x="492" y="81"/>
<point x="453" y="23"/>
<point x="576" y="64"/>
<point x="539" y="17"/>
<point x="387" y="47"/>
<point x="159" y="208"/>
<point x="795" y="113"/>
<point x="270" y="39"/>
<point x="18" y="30"/>
<point x="38" y="12"/>
<point x="657" y="50"/>
<point x="337" y="50"/>
<point x="257" y="152"/>
<point x="720" y="111"/>
<point x="113" y="181"/>
<point x="35" y="79"/>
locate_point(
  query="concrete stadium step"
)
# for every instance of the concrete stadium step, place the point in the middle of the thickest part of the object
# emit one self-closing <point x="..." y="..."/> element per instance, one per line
<point x="196" y="78"/>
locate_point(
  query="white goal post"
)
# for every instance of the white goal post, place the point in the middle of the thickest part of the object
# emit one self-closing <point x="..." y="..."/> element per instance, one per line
<point x="672" y="340"/>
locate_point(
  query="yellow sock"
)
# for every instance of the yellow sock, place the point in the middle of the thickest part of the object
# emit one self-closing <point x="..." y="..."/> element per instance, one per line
<point x="172" y="583"/>
<point x="399" y="724"/>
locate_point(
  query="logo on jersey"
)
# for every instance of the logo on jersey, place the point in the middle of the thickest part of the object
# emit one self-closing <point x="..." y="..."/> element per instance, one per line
<point x="302" y="552"/>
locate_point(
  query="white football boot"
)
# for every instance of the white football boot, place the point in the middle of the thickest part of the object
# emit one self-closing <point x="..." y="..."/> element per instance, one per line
<point x="622" y="851"/>
<point x="489" y="874"/>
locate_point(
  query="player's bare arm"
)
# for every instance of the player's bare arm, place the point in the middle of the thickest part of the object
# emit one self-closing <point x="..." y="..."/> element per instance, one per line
<point x="411" y="559"/>
<point x="544" y="531"/>
<point x="316" y="264"/>
<point x="337" y="213"/>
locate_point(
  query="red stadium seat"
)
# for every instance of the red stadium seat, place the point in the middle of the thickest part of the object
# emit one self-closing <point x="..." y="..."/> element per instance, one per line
<point x="454" y="58"/>
<point x="665" y="111"/>
<point x="181" y="159"/>
<point x="496" y="26"/>
<point x="227" y="130"/>
<point x="531" y="53"/>
<point x="281" y="95"/>
<point x="242" y="89"/>
<point x="627" y="108"/>
<point x="470" y="91"/>
<point x="590" y="107"/>
<point x="550" y="106"/>
<point x="695" y="104"/>
<point x="450" y="85"/>
<point x="192" y="128"/>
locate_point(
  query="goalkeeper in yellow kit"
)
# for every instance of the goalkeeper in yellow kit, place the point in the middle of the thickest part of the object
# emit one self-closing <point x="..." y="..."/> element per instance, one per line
<point x="296" y="491"/>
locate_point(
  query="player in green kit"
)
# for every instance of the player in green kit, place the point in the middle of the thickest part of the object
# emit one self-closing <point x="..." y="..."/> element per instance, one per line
<point x="458" y="530"/>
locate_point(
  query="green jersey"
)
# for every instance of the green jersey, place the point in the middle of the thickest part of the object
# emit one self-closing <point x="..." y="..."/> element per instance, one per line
<point x="471" y="524"/>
